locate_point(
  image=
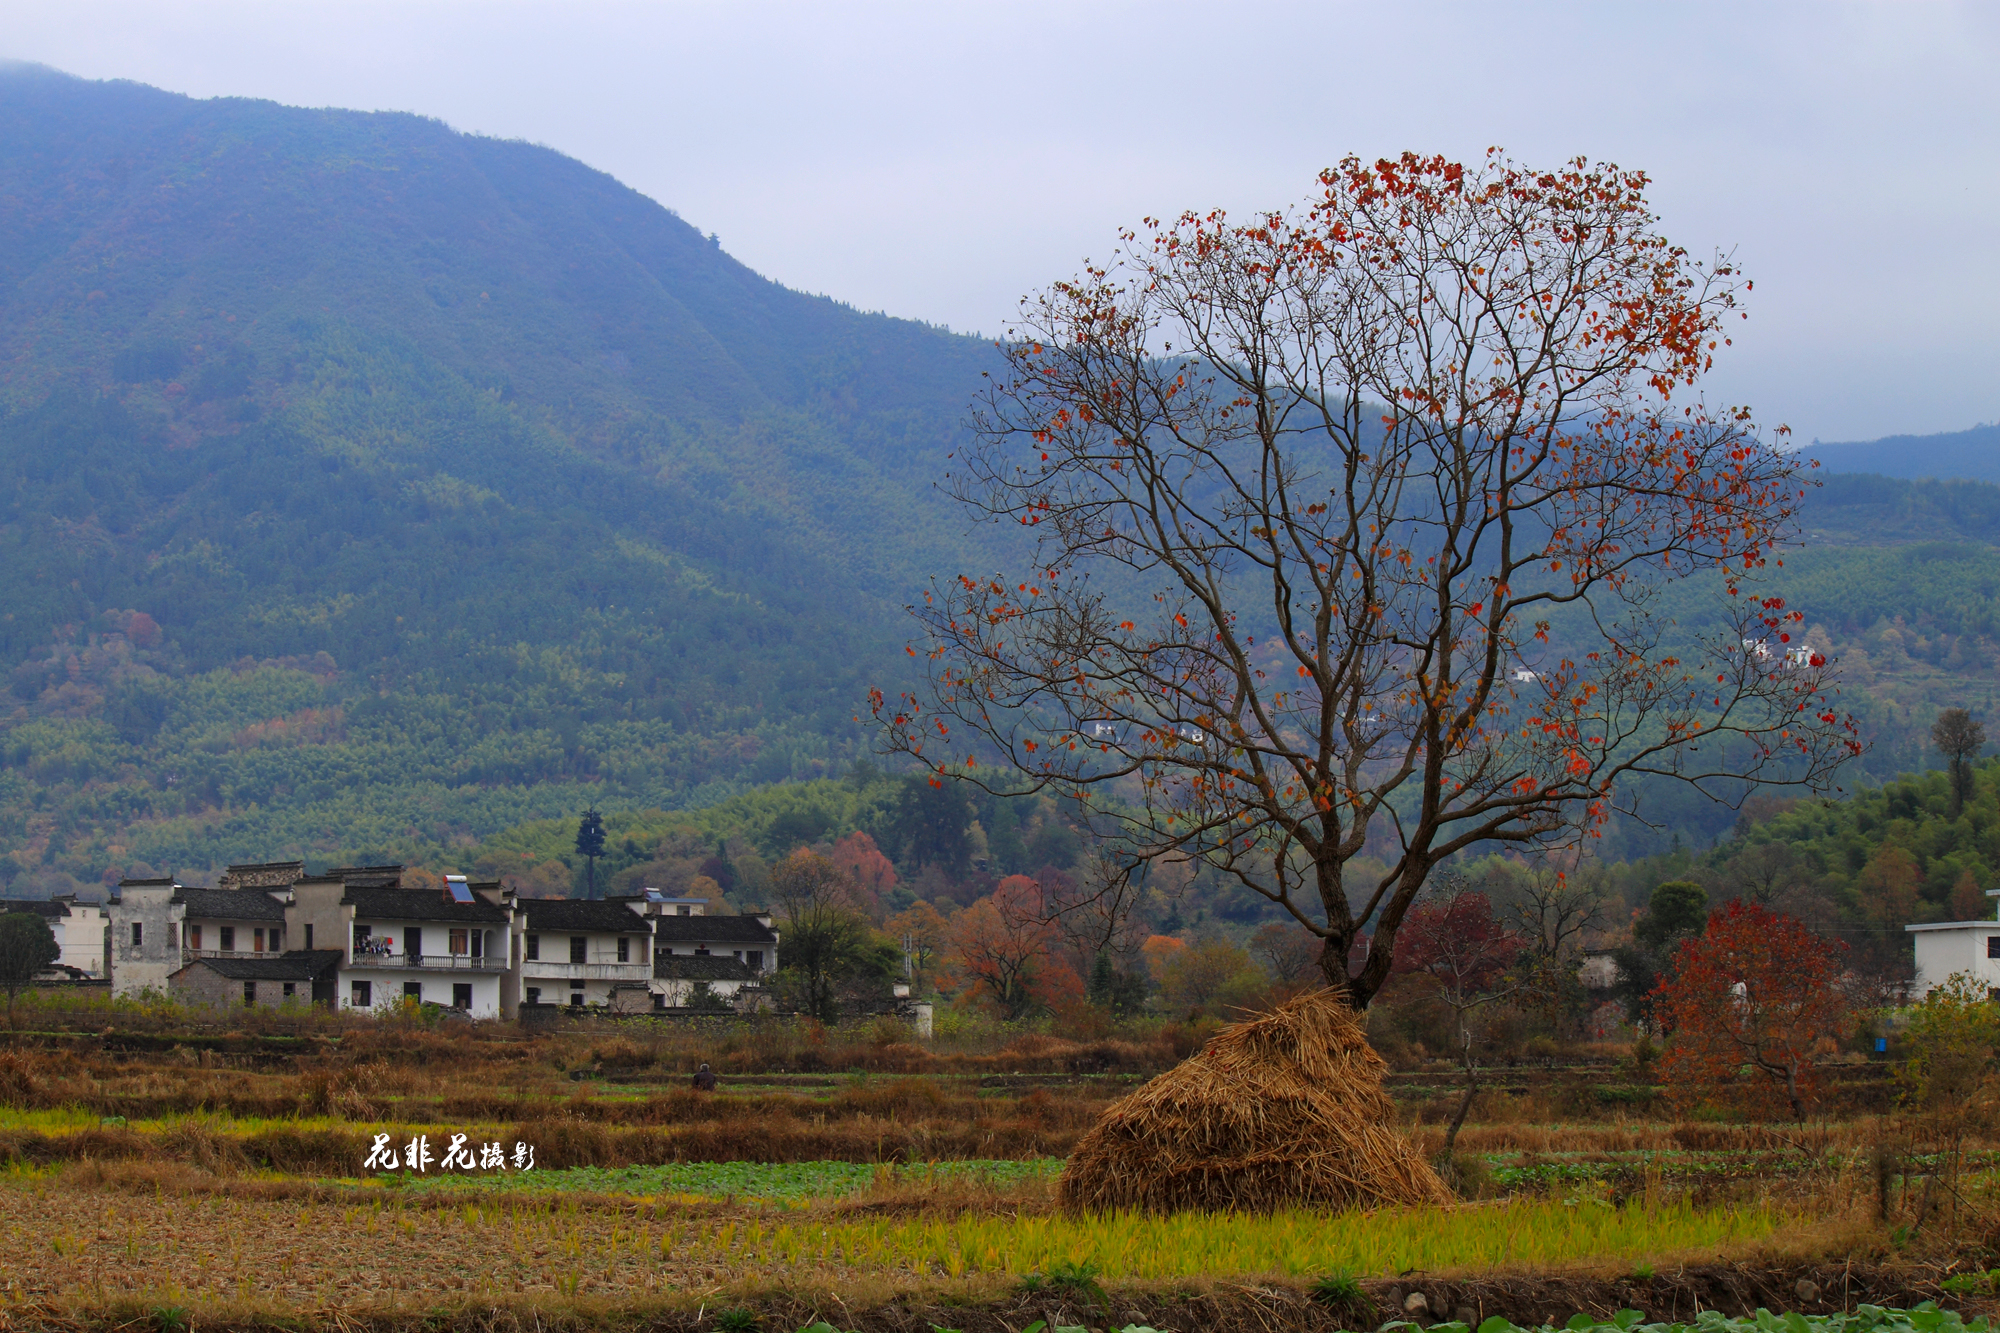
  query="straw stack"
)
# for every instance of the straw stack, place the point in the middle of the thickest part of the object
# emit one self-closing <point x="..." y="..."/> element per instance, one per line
<point x="1286" y="1110"/>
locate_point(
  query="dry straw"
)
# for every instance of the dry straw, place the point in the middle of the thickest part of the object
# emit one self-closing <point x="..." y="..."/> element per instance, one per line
<point x="1282" y="1111"/>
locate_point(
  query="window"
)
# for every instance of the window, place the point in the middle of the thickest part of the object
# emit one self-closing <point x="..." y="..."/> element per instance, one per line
<point x="363" y="995"/>
<point x="534" y="949"/>
<point x="577" y="945"/>
<point x="684" y="911"/>
<point x="277" y="934"/>
<point x="413" y="990"/>
<point x="754" y="957"/>
<point x="461" y="995"/>
<point x="534" y="995"/>
<point x="481" y="943"/>
<point x="194" y="937"/>
<point x="1993" y="946"/>
<point x="576" y="999"/>
<point x="701" y="951"/>
<point x="309" y="934"/>
<point x="291" y="989"/>
<point x="624" y="950"/>
<point x="259" y="937"/>
<point x="138" y="934"/>
<point x="249" y="993"/>
<point x="458" y="943"/>
<point x="228" y="934"/>
<point x="413" y="941"/>
<point x="659" y="1000"/>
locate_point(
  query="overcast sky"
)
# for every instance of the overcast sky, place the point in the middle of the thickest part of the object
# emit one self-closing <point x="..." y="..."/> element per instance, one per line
<point x="938" y="160"/>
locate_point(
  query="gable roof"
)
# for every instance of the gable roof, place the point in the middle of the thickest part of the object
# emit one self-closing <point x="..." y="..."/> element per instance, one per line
<point x="382" y="904"/>
<point x="297" y="965"/>
<point x="232" y="904"/>
<point x="712" y="930"/>
<point x="701" y="967"/>
<point x="583" y="914"/>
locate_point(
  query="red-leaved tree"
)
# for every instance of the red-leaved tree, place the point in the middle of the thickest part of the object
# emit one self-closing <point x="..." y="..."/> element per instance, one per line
<point x="1351" y="523"/>
<point x="1749" y="1004"/>
<point x="1000" y="946"/>
<point x="1462" y="954"/>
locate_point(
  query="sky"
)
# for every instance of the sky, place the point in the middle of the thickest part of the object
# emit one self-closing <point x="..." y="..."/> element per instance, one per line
<point x="939" y="161"/>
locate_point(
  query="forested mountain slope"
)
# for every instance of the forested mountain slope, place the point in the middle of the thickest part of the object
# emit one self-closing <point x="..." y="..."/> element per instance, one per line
<point x="373" y="486"/>
<point x="371" y="489"/>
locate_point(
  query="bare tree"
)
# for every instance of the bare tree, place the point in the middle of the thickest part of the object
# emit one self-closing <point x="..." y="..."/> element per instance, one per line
<point x="1960" y="739"/>
<point x="1350" y="526"/>
<point x="1550" y="912"/>
<point x="1465" y="955"/>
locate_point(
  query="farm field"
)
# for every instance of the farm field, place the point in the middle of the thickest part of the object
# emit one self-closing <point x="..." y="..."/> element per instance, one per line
<point x="155" y="1172"/>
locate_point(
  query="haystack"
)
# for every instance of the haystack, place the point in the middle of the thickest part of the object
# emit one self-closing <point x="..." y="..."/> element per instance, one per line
<point x="1286" y="1110"/>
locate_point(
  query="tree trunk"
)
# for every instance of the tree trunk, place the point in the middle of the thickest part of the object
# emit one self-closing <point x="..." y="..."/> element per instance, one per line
<point x="1465" y="1102"/>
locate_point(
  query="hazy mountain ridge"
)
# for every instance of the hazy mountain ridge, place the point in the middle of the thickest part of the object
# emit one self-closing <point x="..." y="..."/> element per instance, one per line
<point x="1967" y="455"/>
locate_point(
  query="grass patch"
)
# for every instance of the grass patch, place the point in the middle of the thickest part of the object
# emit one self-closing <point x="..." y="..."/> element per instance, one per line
<point x="1127" y="1246"/>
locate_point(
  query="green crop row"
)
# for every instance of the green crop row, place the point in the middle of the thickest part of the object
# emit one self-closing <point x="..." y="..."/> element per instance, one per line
<point x="1147" y="1246"/>
<point x="1926" y="1318"/>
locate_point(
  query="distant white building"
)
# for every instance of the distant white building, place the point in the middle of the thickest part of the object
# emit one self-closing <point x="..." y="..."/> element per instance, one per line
<point x="1598" y="970"/>
<point x="1945" y="947"/>
<point x="79" y="928"/>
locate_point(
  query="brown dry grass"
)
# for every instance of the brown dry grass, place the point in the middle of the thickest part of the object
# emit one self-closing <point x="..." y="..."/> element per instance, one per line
<point x="1282" y="1110"/>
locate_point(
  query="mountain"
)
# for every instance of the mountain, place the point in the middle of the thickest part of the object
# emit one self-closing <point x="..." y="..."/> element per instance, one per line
<point x="1968" y="455"/>
<point x="372" y="487"/>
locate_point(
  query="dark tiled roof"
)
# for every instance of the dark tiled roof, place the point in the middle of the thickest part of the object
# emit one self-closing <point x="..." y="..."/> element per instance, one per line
<point x="579" y="914"/>
<point x="232" y="904"/>
<point x="379" y="877"/>
<point x="701" y="967"/>
<point x="298" y="965"/>
<point x="711" y="930"/>
<point x="166" y="883"/>
<point x="36" y="906"/>
<point x="376" y="904"/>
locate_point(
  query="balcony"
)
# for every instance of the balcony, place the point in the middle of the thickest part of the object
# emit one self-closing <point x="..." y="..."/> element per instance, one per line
<point x="429" y="962"/>
<point x="189" y="955"/>
<point x="545" y="969"/>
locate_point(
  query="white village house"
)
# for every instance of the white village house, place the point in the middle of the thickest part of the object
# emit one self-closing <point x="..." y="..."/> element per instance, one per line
<point x="580" y="953"/>
<point x="356" y="937"/>
<point x="80" y="931"/>
<point x="693" y="951"/>
<point x="1945" y="947"/>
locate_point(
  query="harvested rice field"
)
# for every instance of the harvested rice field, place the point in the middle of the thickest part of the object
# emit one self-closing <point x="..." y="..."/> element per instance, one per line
<point x="94" y="1236"/>
<point x="168" y="1178"/>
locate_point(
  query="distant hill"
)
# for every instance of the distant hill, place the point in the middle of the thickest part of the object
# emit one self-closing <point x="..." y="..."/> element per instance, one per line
<point x="373" y="487"/>
<point x="1966" y="455"/>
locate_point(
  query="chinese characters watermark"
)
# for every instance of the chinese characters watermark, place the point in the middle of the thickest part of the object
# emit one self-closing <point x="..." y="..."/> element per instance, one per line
<point x="416" y="1155"/>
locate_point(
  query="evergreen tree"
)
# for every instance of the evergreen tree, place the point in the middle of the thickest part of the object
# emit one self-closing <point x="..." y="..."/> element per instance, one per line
<point x="590" y="846"/>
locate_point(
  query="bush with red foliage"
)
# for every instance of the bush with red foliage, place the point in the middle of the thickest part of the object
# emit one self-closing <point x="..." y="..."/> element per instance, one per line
<point x="1749" y="1006"/>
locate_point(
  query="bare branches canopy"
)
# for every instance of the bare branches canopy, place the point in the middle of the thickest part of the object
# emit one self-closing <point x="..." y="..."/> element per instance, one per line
<point x="1351" y="521"/>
